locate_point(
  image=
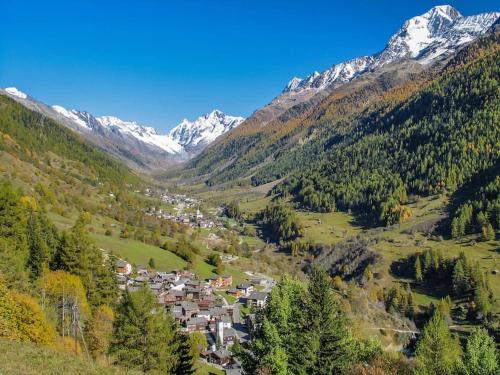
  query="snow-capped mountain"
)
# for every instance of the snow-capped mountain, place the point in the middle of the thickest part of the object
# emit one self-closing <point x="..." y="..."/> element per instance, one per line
<point x="119" y="127"/>
<point x="204" y="130"/>
<point x="183" y="139"/>
<point x="138" y="145"/>
<point x="436" y="33"/>
<point x="15" y="92"/>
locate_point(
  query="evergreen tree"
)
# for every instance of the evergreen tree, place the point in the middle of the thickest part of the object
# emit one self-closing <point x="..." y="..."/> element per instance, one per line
<point x="437" y="351"/>
<point x="418" y="270"/>
<point x="77" y="254"/>
<point x="488" y="233"/>
<point x="185" y="360"/>
<point x="481" y="356"/>
<point x="143" y="334"/>
<point x="152" y="263"/>
<point x="14" y="249"/>
<point x="332" y="341"/>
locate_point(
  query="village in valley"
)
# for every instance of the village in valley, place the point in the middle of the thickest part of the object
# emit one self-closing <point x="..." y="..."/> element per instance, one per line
<point x="184" y="209"/>
<point x="201" y="306"/>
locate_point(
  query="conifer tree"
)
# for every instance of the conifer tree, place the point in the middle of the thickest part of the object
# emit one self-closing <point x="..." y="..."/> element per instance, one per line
<point x="481" y="355"/>
<point x="328" y="327"/>
<point x="143" y="334"/>
<point x="418" y="270"/>
<point x="185" y="360"/>
<point x="437" y="351"/>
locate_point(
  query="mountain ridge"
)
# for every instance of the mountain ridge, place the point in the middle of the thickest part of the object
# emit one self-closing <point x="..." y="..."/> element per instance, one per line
<point x="139" y="145"/>
<point x="425" y="37"/>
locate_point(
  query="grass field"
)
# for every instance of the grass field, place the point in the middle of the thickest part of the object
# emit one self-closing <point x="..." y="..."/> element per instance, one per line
<point x="139" y="253"/>
<point x="29" y="359"/>
<point x="207" y="369"/>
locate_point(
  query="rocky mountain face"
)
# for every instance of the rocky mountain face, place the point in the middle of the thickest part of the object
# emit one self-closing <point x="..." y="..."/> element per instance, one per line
<point x="434" y="34"/>
<point x="141" y="147"/>
<point x="194" y="136"/>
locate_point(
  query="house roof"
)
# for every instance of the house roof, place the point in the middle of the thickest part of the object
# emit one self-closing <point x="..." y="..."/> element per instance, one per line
<point x="258" y="296"/>
<point x="222" y="353"/>
<point x="121" y="263"/>
<point x="189" y="306"/>
<point x="244" y="286"/>
<point x="229" y="332"/>
<point x="197" y="320"/>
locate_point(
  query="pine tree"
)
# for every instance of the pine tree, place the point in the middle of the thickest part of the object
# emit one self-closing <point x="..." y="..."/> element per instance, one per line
<point x="459" y="278"/>
<point x="143" y="334"/>
<point x="38" y="249"/>
<point x="481" y="356"/>
<point x="437" y="351"/>
<point x="418" y="269"/>
<point x="152" y="263"/>
<point x="332" y="339"/>
<point x="185" y="360"/>
<point x="427" y="262"/>
<point x="488" y="233"/>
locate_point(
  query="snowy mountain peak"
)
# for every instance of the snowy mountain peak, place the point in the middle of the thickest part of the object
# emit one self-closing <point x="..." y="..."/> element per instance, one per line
<point x="15" y="92"/>
<point x="292" y="84"/>
<point x="437" y="32"/>
<point x="185" y="137"/>
<point x="204" y="129"/>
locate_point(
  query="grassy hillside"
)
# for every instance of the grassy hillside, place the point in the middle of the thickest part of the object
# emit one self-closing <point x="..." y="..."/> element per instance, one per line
<point x="30" y="359"/>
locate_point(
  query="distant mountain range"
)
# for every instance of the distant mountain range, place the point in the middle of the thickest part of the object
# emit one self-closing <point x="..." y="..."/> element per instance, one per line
<point x="140" y="146"/>
<point x="434" y="34"/>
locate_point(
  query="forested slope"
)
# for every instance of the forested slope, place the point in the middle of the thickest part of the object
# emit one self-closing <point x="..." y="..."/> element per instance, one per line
<point x="33" y="135"/>
<point x="442" y="137"/>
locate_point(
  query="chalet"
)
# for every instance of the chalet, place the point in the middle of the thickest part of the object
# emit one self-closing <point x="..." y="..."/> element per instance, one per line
<point x="196" y="323"/>
<point x="257" y="299"/>
<point x="207" y="302"/>
<point x="194" y="293"/>
<point x="246" y="288"/>
<point x="229" y="336"/>
<point x="123" y="268"/>
<point x="187" y="274"/>
<point x="221" y="357"/>
<point x="167" y="298"/>
<point x="218" y="312"/>
<point x="189" y="309"/>
<point x="178" y="285"/>
<point x="235" y="292"/>
<point x="178" y="315"/>
<point x="220" y="281"/>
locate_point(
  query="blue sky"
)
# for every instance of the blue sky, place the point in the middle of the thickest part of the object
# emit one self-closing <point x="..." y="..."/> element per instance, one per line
<point x="157" y="62"/>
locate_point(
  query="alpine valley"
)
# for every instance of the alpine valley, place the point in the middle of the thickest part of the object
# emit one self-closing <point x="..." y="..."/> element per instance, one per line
<point x="349" y="226"/>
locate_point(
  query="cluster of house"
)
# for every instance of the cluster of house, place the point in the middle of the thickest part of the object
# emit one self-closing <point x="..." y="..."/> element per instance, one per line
<point x="192" y="219"/>
<point x="194" y="305"/>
